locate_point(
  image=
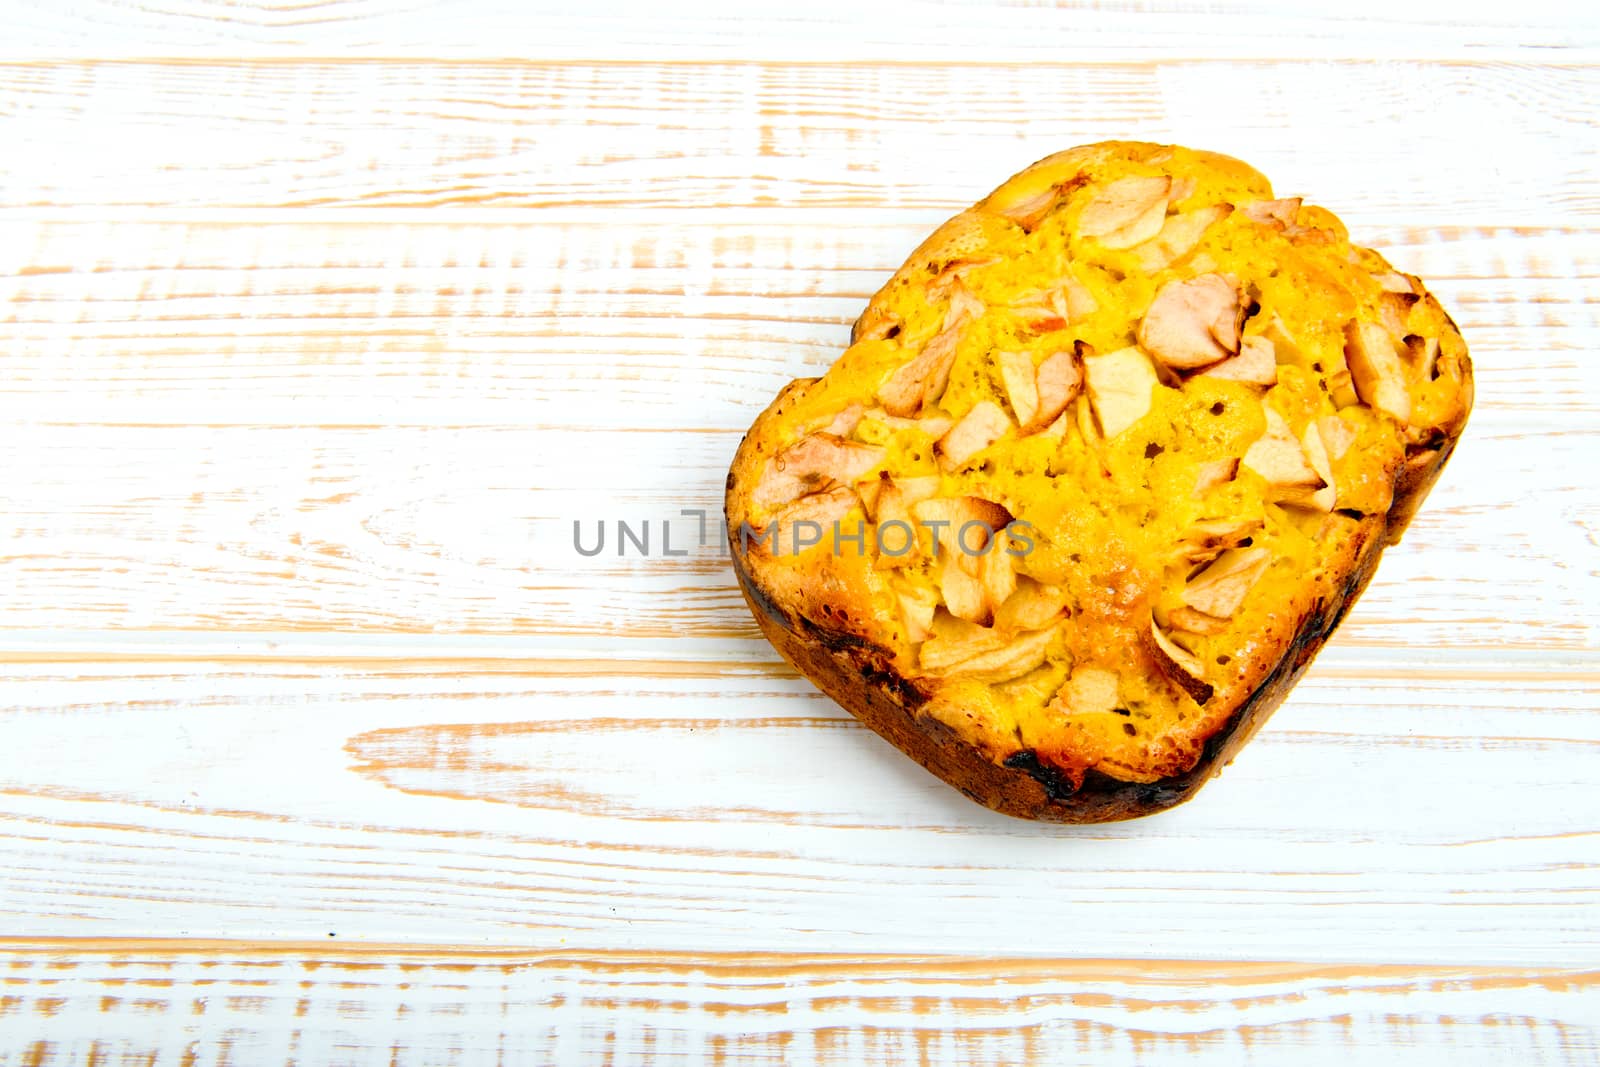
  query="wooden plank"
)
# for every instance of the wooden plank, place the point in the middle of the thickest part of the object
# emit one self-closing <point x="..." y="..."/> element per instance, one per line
<point x="200" y="1002"/>
<point x="240" y="425"/>
<point x="711" y="136"/>
<point x="1420" y="814"/>
<point x="898" y="29"/>
<point x="422" y="530"/>
<point x="586" y="317"/>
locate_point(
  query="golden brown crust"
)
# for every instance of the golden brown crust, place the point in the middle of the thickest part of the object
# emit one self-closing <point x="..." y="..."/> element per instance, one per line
<point x="845" y="625"/>
<point x="863" y="679"/>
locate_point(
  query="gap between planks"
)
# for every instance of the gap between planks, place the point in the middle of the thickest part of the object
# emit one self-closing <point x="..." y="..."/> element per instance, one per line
<point x="1580" y="58"/>
<point x="514" y="665"/>
<point x="914" y="220"/>
<point x="998" y="969"/>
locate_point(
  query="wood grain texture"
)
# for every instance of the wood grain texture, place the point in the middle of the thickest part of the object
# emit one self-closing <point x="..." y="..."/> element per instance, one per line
<point x="210" y="1003"/>
<point x="885" y="32"/>
<point x="368" y="445"/>
<point x="320" y="325"/>
<point x="421" y="530"/>
<point x="716" y="804"/>
<point x="713" y="136"/>
<point x="425" y="318"/>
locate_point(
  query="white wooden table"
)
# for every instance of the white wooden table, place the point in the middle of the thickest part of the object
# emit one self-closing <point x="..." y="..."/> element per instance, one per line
<point x="321" y="324"/>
